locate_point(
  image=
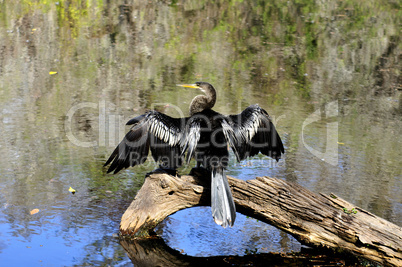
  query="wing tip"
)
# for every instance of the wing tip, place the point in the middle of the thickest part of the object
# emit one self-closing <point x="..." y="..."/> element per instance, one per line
<point x="135" y="120"/>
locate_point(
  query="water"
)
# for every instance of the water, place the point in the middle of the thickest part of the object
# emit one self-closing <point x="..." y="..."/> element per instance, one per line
<point x="334" y="65"/>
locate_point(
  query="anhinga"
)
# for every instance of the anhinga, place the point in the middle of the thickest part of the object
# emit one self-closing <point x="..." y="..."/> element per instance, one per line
<point x="205" y="135"/>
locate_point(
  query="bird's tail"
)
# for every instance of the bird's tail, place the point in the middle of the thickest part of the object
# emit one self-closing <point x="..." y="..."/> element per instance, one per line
<point x="222" y="204"/>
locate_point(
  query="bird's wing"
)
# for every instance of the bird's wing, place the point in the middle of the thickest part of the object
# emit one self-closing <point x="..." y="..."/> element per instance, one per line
<point x="251" y="132"/>
<point x="191" y="137"/>
<point x="153" y="130"/>
<point x="132" y="150"/>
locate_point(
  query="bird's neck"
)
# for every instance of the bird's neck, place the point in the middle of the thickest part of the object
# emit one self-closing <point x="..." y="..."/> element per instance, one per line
<point x="210" y="96"/>
<point x="201" y="102"/>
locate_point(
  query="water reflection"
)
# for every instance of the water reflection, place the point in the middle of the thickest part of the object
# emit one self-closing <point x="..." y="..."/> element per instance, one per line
<point x="154" y="252"/>
<point x="202" y="238"/>
<point x="291" y="58"/>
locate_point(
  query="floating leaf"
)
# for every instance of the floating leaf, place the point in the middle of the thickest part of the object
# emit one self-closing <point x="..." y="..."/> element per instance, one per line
<point x="52" y="72"/>
<point x="34" y="211"/>
<point x="339" y="143"/>
<point x="72" y="190"/>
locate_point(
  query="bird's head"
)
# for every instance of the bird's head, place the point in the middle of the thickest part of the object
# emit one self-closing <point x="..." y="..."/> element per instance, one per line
<point x="201" y="102"/>
<point x="203" y="86"/>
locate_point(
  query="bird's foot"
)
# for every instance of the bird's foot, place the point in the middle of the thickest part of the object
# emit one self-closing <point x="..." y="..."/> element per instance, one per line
<point x="200" y="172"/>
<point x="172" y="172"/>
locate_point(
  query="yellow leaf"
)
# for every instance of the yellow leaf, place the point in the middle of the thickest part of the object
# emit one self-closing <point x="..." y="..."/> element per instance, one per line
<point x="72" y="190"/>
<point x="52" y="72"/>
<point x="339" y="143"/>
<point x="34" y="211"/>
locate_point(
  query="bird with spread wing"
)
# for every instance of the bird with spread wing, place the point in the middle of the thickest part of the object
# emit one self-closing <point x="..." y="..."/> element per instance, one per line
<point x="204" y="136"/>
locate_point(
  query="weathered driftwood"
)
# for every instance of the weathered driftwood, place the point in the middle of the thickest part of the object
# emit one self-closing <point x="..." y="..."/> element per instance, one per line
<point x="314" y="219"/>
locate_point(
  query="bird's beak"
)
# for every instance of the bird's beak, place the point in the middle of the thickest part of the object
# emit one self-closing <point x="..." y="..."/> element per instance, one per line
<point x="189" y="86"/>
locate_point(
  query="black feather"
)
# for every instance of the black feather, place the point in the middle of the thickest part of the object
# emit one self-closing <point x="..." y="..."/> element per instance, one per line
<point x="135" y="120"/>
<point x="151" y="131"/>
<point x="254" y="132"/>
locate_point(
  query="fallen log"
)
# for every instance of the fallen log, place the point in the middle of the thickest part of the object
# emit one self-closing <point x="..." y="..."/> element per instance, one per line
<point x="315" y="220"/>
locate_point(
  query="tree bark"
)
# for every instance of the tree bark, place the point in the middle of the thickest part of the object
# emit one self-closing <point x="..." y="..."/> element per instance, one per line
<point x="315" y="220"/>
